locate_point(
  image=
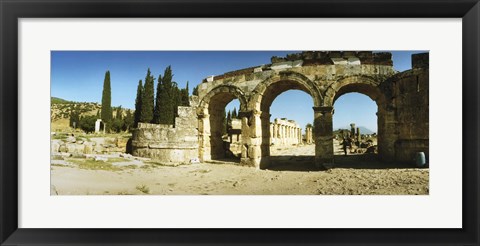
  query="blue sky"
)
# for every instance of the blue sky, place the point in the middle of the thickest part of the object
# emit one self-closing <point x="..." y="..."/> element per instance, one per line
<point x="78" y="76"/>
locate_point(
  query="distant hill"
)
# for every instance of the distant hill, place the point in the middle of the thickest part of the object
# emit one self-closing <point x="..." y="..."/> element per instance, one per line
<point x="61" y="109"/>
<point x="56" y="100"/>
<point x="363" y="130"/>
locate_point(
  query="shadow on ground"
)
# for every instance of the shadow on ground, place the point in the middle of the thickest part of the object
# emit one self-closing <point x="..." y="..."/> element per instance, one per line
<point x="306" y="163"/>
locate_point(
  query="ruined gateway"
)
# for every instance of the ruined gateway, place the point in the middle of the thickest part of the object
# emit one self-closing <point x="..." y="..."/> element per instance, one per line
<point x="402" y="100"/>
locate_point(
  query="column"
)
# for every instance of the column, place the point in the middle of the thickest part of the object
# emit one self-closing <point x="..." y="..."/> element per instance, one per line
<point x="323" y="136"/>
<point x="204" y="151"/>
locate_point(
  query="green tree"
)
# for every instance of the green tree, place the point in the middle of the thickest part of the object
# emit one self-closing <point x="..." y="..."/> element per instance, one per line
<point x="184" y="96"/>
<point x="224" y="125"/>
<point x="119" y="113"/>
<point x="195" y="91"/>
<point x="106" y="99"/>
<point x="87" y="123"/>
<point x="74" y="118"/>
<point x="166" y="98"/>
<point x="138" y="104"/>
<point x="116" y="125"/>
<point x="158" y="102"/>
<point x="177" y="101"/>
<point x="229" y="120"/>
<point x="146" y="113"/>
<point x="128" y="121"/>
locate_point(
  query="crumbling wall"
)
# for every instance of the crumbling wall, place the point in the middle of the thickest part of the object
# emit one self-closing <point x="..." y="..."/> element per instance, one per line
<point x="410" y="98"/>
<point x="168" y="143"/>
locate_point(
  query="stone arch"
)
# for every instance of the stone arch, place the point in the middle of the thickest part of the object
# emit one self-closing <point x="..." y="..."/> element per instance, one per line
<point x="366" y="85"/>
<point x="230" y="91"/>
<point x="210" y="115"/>
<point x="283" y="81"/>
<point x="370" y="87"/>
<point x="259" y="105"/>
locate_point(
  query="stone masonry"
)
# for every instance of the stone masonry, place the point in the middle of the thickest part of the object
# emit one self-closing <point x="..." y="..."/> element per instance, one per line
<point x="168" y="143"/>
<point x="401" y="98"/>
<point x="325" y="76"/>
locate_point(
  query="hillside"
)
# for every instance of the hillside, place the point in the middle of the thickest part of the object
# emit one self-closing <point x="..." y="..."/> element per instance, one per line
<point x="61" y="109"/>
<point x="56" y="100"/>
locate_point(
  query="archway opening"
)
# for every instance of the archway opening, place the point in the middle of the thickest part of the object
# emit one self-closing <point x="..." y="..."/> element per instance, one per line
<point x="286" y="109"/>
<point x="232" y="137"/>
<point x="355" y="127"/>
<point x="225" y="131"/>
<point x="292" y="144"/>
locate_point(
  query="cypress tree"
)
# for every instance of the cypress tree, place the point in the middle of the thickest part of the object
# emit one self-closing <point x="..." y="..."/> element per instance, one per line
<point x="234" y="114"/>
<point x="128" y="122"/>
<point x="195" y="91"/>
<point x="146" y="114"/>
<point x="184" y="96"/>
<point x="74" y="118"/>
<point x="229" y="120"/>
<point x="107" y="99"/>
<point x="158" y="102"/>
<point x="224" y="125"/>
<point x="166" y="99"/>
<point x="138" y="104"/>
<point x="177" y="100"/>
<point x="119" y="113"/>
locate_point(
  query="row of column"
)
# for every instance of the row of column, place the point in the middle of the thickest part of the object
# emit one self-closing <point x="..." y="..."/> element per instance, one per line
<point x="285" y="132"/>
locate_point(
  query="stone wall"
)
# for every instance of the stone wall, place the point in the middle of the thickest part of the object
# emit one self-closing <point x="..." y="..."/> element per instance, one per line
<point x="409" y="92"/>
<point x="90" y="145"/>
<point x="168" y="143"/>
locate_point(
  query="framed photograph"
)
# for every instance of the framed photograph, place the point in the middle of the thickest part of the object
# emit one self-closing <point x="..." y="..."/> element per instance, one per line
<point x="268" y="122"/>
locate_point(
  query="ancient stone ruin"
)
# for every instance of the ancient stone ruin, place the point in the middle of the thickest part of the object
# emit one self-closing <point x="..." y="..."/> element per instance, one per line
<point x="169" y="143"/>
<point x="285" y="132"/>
<point x="402" y="100"/>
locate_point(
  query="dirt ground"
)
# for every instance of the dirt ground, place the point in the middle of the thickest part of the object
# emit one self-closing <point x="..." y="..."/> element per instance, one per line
<point x="292" y="174"/>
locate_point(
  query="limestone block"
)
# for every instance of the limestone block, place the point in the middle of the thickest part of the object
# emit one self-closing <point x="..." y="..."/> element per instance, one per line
<point x="98" y="149"/>
<point x="121" y="142"/>
<point x="98" y="141"/>
<point x="55" y="146"/>
<point x="62" y="148"/>
<point x="71" y="139"/>
<point x="353" y="61"/>
<point x="88" y="148"/>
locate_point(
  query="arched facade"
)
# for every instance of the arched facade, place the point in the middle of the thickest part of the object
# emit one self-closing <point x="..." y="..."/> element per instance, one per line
<point x="210" y="114"/>
<point x="325" y="76"/>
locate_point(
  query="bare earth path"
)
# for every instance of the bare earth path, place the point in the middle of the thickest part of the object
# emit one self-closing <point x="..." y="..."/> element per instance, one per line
<point x="292" y="174"/>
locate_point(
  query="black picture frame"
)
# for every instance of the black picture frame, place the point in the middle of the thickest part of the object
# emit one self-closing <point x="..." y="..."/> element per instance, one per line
<point x="11" y="11"/>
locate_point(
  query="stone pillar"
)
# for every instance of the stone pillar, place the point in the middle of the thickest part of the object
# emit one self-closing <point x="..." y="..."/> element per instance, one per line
<point x="272" y="133"/>
<point x="323" y="136"/>
<point x="204" y="151"/>
<point x="309" y="135"/>
<point x="387" y="134"/>
<point x="253" y="143"/>
<point x="246" y="139"/>
<point x="265" y="134"/>
<point x="352" y="130"/>
<point x="359" y="137"/>
<point x="282" y="134"/>
<point x="300" y="136"/>
<point x="97" y="125"/>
